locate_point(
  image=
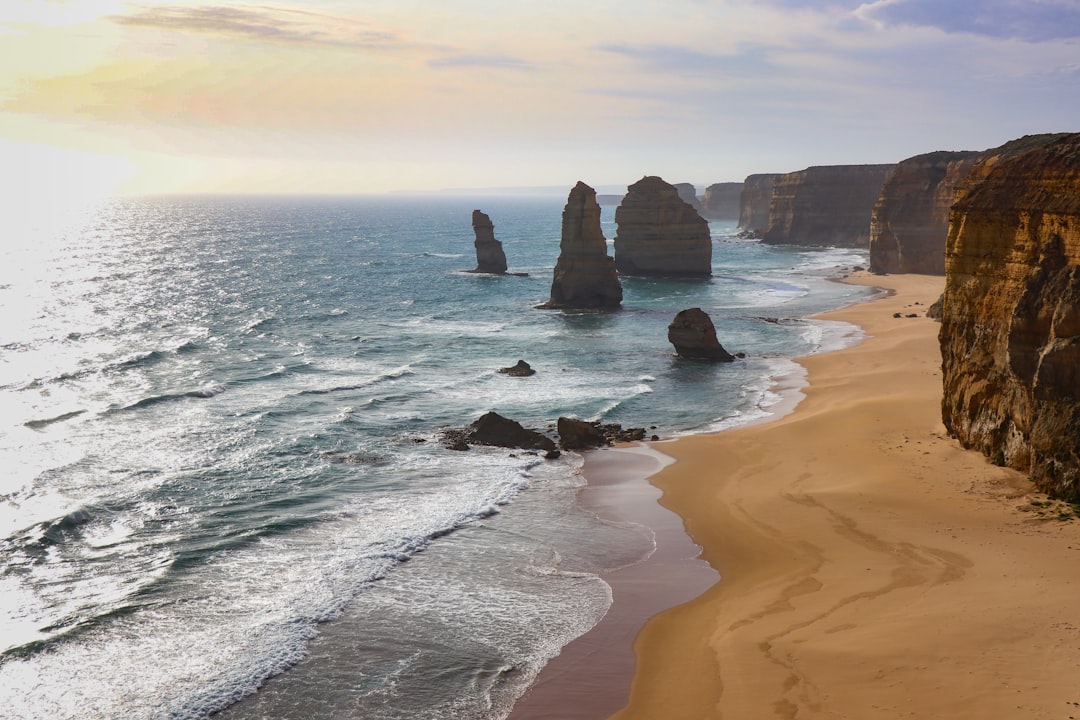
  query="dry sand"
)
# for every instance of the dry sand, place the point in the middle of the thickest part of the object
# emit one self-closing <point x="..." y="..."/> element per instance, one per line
<point x="870" y="567"/>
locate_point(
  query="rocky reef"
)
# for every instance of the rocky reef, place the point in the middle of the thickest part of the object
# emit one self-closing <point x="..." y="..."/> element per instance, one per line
<point x="754" y="201"/>
<point x="585" y="275"/>
<point x="490" y="257"/>
<point x="910" y="220"/>
<point x="1010" y="328"/>
<point x="722" y="201"/>
<point x="659" y="233"/>
<point x="825" y="205"/>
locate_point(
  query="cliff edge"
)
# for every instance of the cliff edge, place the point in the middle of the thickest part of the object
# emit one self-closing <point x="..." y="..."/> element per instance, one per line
<point x="1010" y="333"/>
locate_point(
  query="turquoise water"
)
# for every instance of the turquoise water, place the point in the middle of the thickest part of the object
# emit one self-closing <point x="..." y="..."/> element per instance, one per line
<point x="220" y="430"/>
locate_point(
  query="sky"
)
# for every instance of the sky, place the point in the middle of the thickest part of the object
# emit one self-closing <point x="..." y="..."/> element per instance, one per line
<point x="372" y="96"/>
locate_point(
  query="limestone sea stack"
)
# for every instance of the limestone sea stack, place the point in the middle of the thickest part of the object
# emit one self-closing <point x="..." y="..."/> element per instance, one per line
<point x="694" y="336"/>
<point x="660" y="234"/>
<point x="722" y="201"/>
<point x="754" y="202"/>
<point x="828" y="205"/>
<point x="1010" y="327"/>
<point x="688" y="194"/>
<point x="585" y="275"/>
<point x="490" y="257"/>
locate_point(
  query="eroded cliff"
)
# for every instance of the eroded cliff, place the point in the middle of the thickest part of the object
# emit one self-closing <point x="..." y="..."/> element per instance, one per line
<point x="910" y="220"/>
<point x="754" y="201"/>
<point x="825" y="205"/>
<point x="1010" y="334"/>
<point x="660" y="234"/>
<point x="722" y="201"/>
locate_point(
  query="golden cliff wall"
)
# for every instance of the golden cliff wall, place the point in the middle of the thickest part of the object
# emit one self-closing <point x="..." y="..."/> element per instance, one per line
<point x="825" y="205"/>
<point x="910" y="221"/>
<point x="1010" y="333"/>
<point x="754" y="200"/>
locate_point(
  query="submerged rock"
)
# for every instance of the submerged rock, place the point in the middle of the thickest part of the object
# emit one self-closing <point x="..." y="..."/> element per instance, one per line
<point x="585" y="275"/>
<point x="694" y="336"/>
<point x="521" y="369"/>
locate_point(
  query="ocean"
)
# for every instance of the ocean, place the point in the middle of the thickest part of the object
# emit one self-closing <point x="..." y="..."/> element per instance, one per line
<point x="220" y="423"/>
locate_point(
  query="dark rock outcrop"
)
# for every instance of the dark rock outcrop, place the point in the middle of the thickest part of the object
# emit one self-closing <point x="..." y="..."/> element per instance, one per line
<point x="754" y="202"/>
<point x="580" y="434"/>
<point x="694" y="336"/>
<point x="1010" y="331"/>
<point x="688" y="194"/>
<point x="585" y="275"/>
<point x="659" y="234"/>
<point x="521" y="369"/>
<point x="490" y="257"/>
<point x="494" y="429"/>
<point x="910" y="220"/>
<point x="722" y="201"/>
<point x="825" y="205"/>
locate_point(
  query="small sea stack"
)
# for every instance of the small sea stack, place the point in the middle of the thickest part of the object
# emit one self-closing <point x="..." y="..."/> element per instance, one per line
<point x="490" y="257"/>
<point x="585" y="276"/>
<point x="694" y="336"/>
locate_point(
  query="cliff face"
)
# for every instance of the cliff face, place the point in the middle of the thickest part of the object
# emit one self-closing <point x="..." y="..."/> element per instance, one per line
<point x="754" y="201"/>
<point x="688" y="194"/>
<point x="910" y="220"/>
<point x="659" y="234"/>
<point x="722" y="201"/>
<point x="828" y="205"/>
<point x="490" y="257"/>
<point x="585" y="275"/>
<point x="1010" y="334"/>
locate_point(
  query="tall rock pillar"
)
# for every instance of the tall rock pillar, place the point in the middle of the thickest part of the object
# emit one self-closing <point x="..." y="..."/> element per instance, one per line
<point x="585" y="275"/>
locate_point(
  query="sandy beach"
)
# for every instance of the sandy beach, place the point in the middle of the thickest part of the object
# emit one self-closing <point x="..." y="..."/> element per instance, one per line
<point x="870" y="566"/>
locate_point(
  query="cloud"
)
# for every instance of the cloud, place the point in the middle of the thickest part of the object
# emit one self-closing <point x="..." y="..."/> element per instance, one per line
<point x="282" y="26"/>
<point x="1032" y="20"/>
<point x="503" y="62"/>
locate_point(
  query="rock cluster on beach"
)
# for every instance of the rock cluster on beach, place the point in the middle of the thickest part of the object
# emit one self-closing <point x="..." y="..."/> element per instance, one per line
<point x="659" y="233"/>
<point x="694" y="336"/>
<point x="490" y="257"/>
<point x="585" y="275"/>
<point x="827" y="205"/>
<point x="494" y="429"/>
<point x="1010" y="333"/>
<point x="577" y="434"/>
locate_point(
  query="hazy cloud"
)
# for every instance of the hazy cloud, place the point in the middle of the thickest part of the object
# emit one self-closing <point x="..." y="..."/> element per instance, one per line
<point x="264" y="24"/>
<point x="505" y="62"/>
<point x="1034" y="20"/>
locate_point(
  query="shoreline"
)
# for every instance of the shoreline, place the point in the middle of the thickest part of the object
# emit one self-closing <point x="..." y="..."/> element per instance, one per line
<point x="871" y="567"/>
<point x="590" y="677"/>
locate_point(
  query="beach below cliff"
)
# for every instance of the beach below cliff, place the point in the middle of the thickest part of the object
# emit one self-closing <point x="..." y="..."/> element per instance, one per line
<point x="870" y="566"/>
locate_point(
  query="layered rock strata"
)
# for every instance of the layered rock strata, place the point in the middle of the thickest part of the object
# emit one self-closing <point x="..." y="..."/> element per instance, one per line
<point x="688" y="194"/>
<point x="490" y="257"/>
<point x="722" y="201"/>
<point x="694" y="336"/>
<point x="910" y="220"/>
<point x="660" y="234"/>
<point x="825" y="205"/>
<point x="1010" y="332"/>
<point x="754" y="201"/>
<point x="585" y="275"/>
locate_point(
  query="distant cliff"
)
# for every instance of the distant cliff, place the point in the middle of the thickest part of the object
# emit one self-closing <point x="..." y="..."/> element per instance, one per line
<point x="688" y="194"/>
<point x="754" y="201"/>
<point x="660" y="234"/>
<point x="722" y="201"/>
<point x="1010" y="333"/>
<point x="825" y="205"/>
<point x="910" y="220"/>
